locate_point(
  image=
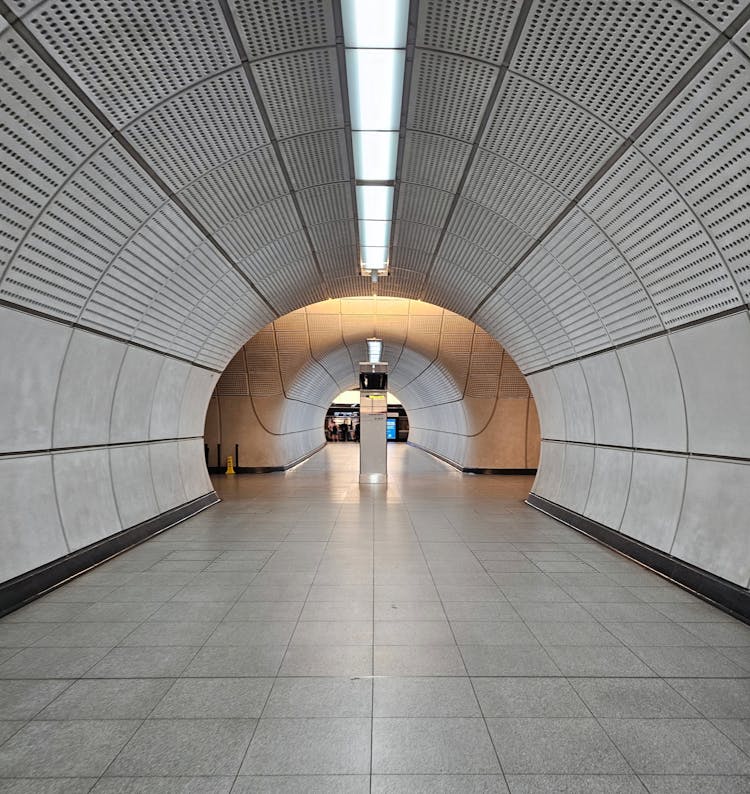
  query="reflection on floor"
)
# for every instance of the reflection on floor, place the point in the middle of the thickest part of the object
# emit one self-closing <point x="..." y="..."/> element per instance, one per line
<point x="313" y="635"/>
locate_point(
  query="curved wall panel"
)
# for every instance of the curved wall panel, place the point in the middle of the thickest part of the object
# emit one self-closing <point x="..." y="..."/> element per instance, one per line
<point x="586" y="204"/>
<point x="467" y="401"/>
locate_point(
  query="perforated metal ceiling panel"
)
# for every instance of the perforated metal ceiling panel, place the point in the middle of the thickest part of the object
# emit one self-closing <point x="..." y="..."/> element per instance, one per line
<point x="218" y="180"/>
<point x="130" y="55"/>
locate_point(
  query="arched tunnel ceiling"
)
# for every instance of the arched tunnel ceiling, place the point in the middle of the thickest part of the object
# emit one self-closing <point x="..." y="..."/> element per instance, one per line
<point x="435" y="357"/>
<point x="572" y="175"/>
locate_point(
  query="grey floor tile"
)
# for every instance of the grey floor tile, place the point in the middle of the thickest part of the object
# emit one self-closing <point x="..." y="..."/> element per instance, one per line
<point x="9" y="727"/>
<point x="265" y="610"/>
<point x="693" y="613"/>
<point x="337" y="610"/>
<point x="438" y="784"/>
<point x="43" y="749"/>
<point x="431" y="746"/>
<point x="309" y="746"/>
<point x="737" y="730"/>
<point x="45" y="611"/>
<point x="480" y="610"/>
<point x="555" y="746"/>
<point x="698" y="662"/>
<point x="575" y="784"/>
<point x="696" y="784"/>
<point x="321" y="660"/>
<point x="320" y="697"/>
<point x="632" y="698"/>
<point x="51" y="662"/>
<point x="163" y="785"/>
<point x="530" y="594"/>
<point x="598" y="661"/>
<point x="409" y="610"/>
<point x="218" y="698"/>
<point x="206" y="594"/>
<point x="186" y="611"/>
<point x="146" y="662"/>
<point x="528" y="697"/>
<point x="424" y="697"/>
<point x="469" y="594"/>
<point x="106" y="612"/>
<point x="545" y="612"/>
<point x="418" y="660"/>
<point x="22" y="700"/>
<point x="675" y="747"/>
<point x="255" y="632"/>
<point x="503" y="633"/>
<point x="722" y="698"/>
<point x="22" y="635"/>
<point x="405" y="592"/>
<point x="341" y="593"/>
<point x="144" y="593"/>
<point x="87" y="635"/>
<point x="493" y="660"/>
<point x="625" y="613"/>
<point x="236" y="661"/>
<point x="413" y="632"/>
<point x="731" y="634"/>
<point x="165" y="633"/>
<point x="653" y="634"/>
<point x="569" y="634"/>
<point x="664" y="594"/>
<point x="303" y="784"/>
<point x="184" y="747"/>
<point x="107" y="699"/>
<point x="60" y="786"/>
<point x="332" y="632"/>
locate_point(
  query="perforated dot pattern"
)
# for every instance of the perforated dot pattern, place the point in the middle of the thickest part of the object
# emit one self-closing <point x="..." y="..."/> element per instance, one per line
<point x="301" y="91"/>
<point x="616" y="60"/>
<point x="434" y="161"/>
<point x="448" y="94"/>
<point x="496" y="235"/>
<point x="547" y="134"/>
<point x="270" y="27"/>
<point x="660" y="237"/>
<point x="476" y="28"/>
<point x="424" y="205"/>
<point x="316" y="159"/>
<point x="702" y="145"/>
<point x="199" y="129"/>
<point x="129" y="55"/>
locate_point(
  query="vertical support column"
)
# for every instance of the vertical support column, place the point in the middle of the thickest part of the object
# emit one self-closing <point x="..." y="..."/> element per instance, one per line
<point x="373" y="411"/>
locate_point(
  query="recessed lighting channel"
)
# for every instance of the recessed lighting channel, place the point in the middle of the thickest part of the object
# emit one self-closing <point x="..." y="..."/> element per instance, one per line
<point x="375" y="40"/>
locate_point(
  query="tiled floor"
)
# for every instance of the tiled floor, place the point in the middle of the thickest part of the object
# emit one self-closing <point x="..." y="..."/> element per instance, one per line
<point x="311" y="635"/>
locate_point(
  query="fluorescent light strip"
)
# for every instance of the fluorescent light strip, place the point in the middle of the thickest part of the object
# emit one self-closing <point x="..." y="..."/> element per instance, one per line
<point x="375" y="40"/>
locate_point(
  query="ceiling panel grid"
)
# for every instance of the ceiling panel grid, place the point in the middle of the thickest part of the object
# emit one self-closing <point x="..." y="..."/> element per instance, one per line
<point x="266" y="260"/>
<point x="553" y="138"/>
<point x="448" y="94"/>
<point x="702" y="145"/>
<point x="660" y="237"/>
<point x="497" y="235"/>
<point x="433" y="160"/>
<point x="618" y="61"/>
<point x="608" y="281"/>
<point x="262" y="364"/>
<point x="79" y="233"/>
<point x="233" y="381"/>
<point x="454" y="286"/>
<point x="129" y="55"/>
<point x="325" y="203"/>
<point x="46" y="137"/>
<point x="248" y="233"/>
<point x="235" y="187"/>
<point x="512" y="193"/>
<point x="317" y="158"/>
<point x="199" y="129"/>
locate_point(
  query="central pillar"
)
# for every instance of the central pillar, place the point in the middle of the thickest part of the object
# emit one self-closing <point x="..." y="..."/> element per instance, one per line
<point x="373" y="412"/>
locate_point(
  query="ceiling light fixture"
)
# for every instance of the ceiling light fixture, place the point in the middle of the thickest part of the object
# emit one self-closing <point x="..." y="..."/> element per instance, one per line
<point x="375" y="40"/>
<point x="374" y="350"/>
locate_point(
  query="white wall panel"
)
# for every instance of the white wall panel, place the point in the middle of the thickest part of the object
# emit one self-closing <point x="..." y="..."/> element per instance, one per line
<point x="576" y="477"/>
<point x="714" y="533"/>
<point x="549" y="476"/>
<point x="655" y="395"/>
<point x="166" y="474"/>
<point x="200" y="384"/>
<point x="549" y="403"/>
<point x="131" y="480"/>
<point x="193" y="468"/>
<point x="610" y="484"/>
<point x="30" y="530"/>
<point x="87" y="383"/>
<point x="714" y="362"/>
<point x="655" y="498"/>
<point x="579" y="418"/>
<point x="165" y="412"/>
<point x="31" y="354"/>
<point x="609" y="400"/>
<point x="134" y="394"/>
<point x="84" y="494"/>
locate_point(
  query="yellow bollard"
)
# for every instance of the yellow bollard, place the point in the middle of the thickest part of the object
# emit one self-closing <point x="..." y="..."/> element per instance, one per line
<point x="230" y="466"/>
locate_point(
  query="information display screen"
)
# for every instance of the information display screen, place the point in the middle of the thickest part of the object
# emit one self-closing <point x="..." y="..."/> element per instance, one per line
<point x="391" y="428"/>
<point x="377" y="381"/>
